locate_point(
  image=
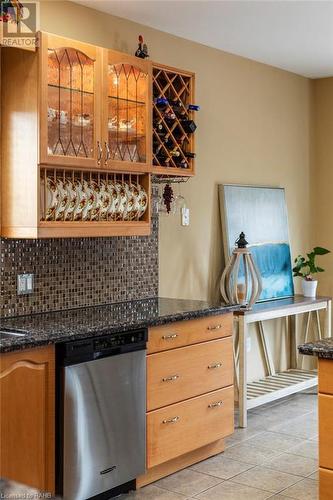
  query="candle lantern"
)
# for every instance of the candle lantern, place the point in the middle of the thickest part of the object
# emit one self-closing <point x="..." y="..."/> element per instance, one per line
<point x="241" y="281"/>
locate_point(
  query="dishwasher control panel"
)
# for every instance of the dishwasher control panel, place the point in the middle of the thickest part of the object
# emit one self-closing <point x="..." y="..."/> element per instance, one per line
<point x="100" y="346"/>
<point x="120" y="339"/>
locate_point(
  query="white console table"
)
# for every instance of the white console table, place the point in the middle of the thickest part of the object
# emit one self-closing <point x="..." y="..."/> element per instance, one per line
<point x="276" y="385"/>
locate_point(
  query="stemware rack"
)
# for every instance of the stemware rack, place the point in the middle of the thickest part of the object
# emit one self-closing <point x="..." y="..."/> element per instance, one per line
<point x="169" y="135"/>
<point x="168" y="179"/>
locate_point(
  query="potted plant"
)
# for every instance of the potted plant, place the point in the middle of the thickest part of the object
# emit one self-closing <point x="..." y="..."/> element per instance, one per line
<point x="306" y="268"/>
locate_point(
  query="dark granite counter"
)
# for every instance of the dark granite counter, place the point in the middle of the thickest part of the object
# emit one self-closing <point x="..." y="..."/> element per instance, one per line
<point x="322" y="348"/>
<point x="60" y="326"/>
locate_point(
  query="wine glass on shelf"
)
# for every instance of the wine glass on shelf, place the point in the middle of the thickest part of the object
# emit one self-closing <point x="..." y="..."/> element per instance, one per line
<point x="179" y="201"/>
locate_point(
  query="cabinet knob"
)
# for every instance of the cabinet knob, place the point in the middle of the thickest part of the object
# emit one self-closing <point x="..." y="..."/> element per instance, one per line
<point x="216" y="404"/>
<point x="170" y="379"/>
<point x="214" y="365"/>
<point x="171" y="420"/>
<point x="99" y="153"/>
<point x="171" y="336"/>
<point x="216" y="327"/>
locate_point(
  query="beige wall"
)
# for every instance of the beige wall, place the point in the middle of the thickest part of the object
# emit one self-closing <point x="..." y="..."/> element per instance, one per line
<point x="323" y="177"/>
<point x="254" y="128"/>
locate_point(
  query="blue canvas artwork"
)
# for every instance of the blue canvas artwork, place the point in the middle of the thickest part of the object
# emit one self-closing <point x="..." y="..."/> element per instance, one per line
<point x="261" y="213"/>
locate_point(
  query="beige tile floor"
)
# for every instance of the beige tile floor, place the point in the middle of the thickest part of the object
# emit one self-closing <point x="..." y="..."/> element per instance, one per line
<point x="275" y="457"/>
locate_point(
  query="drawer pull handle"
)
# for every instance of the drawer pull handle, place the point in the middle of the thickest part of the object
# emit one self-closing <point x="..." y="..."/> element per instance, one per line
<point x="214" y="365"/>
<point x="217" y="327"/>
<point x="171" y="336"/>
<point x="170" y="379"/>
<point x="217" y="404"/>
<point x="171" y="420"/>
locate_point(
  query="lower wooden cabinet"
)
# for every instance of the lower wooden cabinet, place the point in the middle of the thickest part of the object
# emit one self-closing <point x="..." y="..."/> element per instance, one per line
<point x="27" y="413"/>
<point x="325" y="484"/>
<point x="190" y="393"/>
<point x="177" y="429"/>
<point x="325" y="379"/>
<point x="325" y="408"/>
<point x="326" y="431"/>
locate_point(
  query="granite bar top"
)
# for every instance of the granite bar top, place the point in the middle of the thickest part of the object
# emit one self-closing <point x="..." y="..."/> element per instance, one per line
<point x="322" y="348"/>
<point x="73" y="324"/>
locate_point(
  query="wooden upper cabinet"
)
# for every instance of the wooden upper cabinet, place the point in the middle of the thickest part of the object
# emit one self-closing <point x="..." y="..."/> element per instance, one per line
<point x="70" y="107"/>
<point x="126" y="127"/>
<point x="95" y="107"/>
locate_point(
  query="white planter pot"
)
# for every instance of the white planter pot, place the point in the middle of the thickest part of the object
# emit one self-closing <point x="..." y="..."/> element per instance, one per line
<point x="309" y="288"/>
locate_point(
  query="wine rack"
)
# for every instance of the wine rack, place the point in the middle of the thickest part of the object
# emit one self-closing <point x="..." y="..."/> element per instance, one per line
<point x="173" y="122"/>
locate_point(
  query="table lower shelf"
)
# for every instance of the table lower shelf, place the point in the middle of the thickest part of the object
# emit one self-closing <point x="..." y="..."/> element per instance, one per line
<point x="279" y="385"/>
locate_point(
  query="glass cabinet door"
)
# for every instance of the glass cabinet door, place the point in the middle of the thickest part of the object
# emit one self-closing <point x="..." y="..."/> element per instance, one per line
<point x="127" y="120"/>
<point x="70" y="132"/>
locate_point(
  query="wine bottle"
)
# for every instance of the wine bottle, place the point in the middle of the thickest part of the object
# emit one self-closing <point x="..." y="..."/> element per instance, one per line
<point x="169" y="143"/>
<point x="161" y="159"/>
<point x="170" y="115"/>
<point x="189" y="155"/>
<point x="156" y="146"/>
<point x="193" y="107"/>
<point x="178" y="134"/>
<point x="161" y="102"/>
<point x="178" y="109"/>
<point x="181" y="163"/>
<point x="189" y="126"/>
<point x="158" y="126"/>
<point x="174" y="152"/>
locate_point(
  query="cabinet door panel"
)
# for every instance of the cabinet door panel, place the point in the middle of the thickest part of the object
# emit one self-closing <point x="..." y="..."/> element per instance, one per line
<point x="70" y="107"/>
<point x="27" y="417"/>
<point x="325" y="484"/>
<point x="127" y="112"/>
<point x="325" y="379"/>
<point x="325" y="431"/>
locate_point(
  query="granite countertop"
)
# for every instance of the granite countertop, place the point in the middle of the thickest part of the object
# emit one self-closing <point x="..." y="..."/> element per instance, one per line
<point x="322" y="348"/>
<point x="54" y="327"/>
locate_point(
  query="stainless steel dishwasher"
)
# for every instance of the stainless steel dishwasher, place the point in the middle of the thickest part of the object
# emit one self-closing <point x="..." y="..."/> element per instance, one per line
<point x="101" y="420"/>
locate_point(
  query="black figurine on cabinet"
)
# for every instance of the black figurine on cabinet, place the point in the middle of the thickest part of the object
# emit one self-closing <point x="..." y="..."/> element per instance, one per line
<point x="142" y="50"/>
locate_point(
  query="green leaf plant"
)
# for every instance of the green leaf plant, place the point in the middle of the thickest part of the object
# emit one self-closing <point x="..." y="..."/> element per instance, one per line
<point x="305" y="268"/>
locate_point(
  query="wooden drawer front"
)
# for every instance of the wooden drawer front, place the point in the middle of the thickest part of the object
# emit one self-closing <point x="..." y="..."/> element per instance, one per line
<point x="183" y="427"/>
<point x="325" y="484"/>
<point x="326" y="431"/>
<point x="186" y="372"/>
<point x="325" y="372"/>
<point x="184" y="333"/>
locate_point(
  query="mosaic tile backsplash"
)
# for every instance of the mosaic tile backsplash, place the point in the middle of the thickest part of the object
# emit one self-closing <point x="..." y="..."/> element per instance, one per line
<point x="77" y="272"/>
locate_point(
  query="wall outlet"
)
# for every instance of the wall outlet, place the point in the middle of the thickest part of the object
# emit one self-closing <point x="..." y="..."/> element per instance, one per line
<point x="248" y="344"/>
<point x="25" y="284"/>
<point x="185" y="215"/>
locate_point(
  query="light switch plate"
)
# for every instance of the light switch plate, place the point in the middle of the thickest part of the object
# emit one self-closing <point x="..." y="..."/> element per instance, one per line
<point x="185" y="213"/>
<point x="25" y="284"/>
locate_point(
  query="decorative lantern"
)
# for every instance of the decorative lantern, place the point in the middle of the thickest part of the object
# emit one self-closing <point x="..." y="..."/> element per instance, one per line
<point x="243" y="288"/>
